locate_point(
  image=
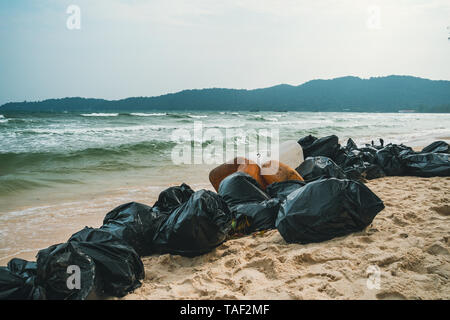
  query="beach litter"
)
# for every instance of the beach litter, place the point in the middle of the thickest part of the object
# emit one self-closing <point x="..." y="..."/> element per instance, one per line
<point x="332" y="202"/>
<point x="314" y="168"/>
<point x="251" y="207"/>
<point x="437" y="147"/>
<point x="17" y="281"/>
<point x="195" y="227"/>
<point x="327" y="209"/>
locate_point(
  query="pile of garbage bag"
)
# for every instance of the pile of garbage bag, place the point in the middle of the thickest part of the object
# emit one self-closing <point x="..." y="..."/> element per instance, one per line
<point x="325" y="209"/>
<point x="106" y="260"/>
<point x="324" y="157"/>
<point x="437" y="147"/>
<point x="17" y="281"/>
<point x="427" y="164"/>
<point x="321" y="199"/>
<point x="97" y="261"/>
<point x="251" y="207"/>
<point x="314" y="168"/>
<point x="194" y="227"/>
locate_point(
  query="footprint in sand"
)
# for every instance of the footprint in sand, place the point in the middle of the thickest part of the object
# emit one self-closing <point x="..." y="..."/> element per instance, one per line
<point x="437" y="249"/>
<point x="231" y="263"/>
<point x="390" y="296"/>
<point x="267" y="266"/>
<point x="442" y="210"/>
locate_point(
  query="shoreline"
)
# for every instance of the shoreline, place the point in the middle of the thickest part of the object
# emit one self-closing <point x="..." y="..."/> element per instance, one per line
<point x="118" y="182"/>
<point x="36" y="228"/>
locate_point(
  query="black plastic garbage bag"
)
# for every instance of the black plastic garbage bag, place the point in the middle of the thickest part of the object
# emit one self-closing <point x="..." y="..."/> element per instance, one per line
<point x="373" y="171"/>
<point x="319" y="167"/>
<point x="341" y="156"/>
<point x="54" y="271"/>
<point x="363" y="171"/>
<point x="107" y="266"/>
<point x="326" y="146"/>
<point x="172" y="197"/>
<point x="427" y="164"/>
<point x="17" y="281"/>
<point x="437" y="147"/>
<point x="351" y="145"/>
<point x="380" y="146"/>
<point x="353" y="157"/>
<point x="196" y="226"/>
<point x="135" y="223"/>
<point x="306" y="141"/>
<point x="325" y="209"/>
<point x="240" y="187"/>
<point x="369" y="149"/>
<point x="138" y="223"/>
<point x="359" y="163"/>
<point x="368" y="157"/>
<point x="116" y="262"/>
<point x="249" y="204"/>
<point x="358" y="157"/>
<point x="255" y="216"/>
<point x="389" y="159"/>
<point x="281" y="190"/>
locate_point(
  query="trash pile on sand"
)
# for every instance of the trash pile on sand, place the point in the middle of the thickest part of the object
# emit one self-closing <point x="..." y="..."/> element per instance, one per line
<point x="323" y="198"/>
<point x="371" y="161"/>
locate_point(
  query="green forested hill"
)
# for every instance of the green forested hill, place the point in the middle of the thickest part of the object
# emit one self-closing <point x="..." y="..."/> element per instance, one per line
<point x="381" y="94"/>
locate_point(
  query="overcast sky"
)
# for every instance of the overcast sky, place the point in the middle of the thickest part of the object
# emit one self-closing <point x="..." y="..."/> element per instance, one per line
<point x="144" y="48"/>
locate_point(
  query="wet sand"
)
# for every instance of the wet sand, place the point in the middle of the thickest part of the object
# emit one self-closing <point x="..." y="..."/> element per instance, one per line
<point x="25" y="231"/>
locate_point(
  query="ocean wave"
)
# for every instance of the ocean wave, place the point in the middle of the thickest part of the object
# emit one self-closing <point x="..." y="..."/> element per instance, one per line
<point x="185" y="116"/>
<point x="197" y="116"/>
<point x="105" y="158"/>
<point x="225" y="126"/>
<point x="138" y="114"/>
<point x="177" y="115"/>
<point x="3" y="119"/>
<point x="99" y="114"/>
<point x="88" y="130"/>
<point x="258" y="117"/>
<point x="11" y="185"/>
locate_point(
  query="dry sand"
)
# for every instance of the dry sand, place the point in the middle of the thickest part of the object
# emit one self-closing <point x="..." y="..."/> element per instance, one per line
<point x="408" y="242"/>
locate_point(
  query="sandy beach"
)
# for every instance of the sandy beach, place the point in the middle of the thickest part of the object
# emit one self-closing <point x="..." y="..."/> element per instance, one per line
<point x="156" y="150"/>
<point x="408" y="241"/>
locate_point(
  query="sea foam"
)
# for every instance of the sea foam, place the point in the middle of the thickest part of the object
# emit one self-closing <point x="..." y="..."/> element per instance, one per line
<point x="99" y="114"/>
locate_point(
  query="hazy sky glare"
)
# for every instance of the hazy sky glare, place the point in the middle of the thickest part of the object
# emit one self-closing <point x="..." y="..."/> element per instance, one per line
<point x="146" y="48"/>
